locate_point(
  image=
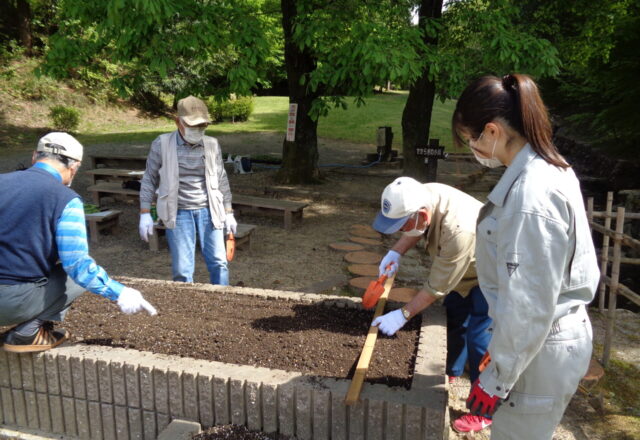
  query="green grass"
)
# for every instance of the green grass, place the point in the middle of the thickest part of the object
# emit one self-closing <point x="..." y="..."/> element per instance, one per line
<point x="356" y="124"/>
<point x="25" y="101"/>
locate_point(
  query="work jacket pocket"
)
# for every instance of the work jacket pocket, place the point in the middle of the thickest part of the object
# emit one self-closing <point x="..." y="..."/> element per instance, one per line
<point x="522" y="403"/>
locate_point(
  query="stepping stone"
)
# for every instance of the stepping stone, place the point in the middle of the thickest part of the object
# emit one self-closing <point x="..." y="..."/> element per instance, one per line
<point x="402" y="294"/>
<point x="363" y="257"/>
<point x="360" y="284"/>
<point x="366" y="241"/>
<point x="346" y="246"/>
<point x="363" y="226"/>
<point x="364" y="231"/>
<point x="364" y="270"/>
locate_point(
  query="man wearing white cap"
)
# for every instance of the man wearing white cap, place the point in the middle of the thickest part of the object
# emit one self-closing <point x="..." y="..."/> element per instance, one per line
<point x="44" y="260"/>
<point x="446" y="218"/>
<point x="193" y="196"/>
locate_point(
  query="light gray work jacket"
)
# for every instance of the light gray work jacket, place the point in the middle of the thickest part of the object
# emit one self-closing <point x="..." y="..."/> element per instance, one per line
<point x="535" y="261"/>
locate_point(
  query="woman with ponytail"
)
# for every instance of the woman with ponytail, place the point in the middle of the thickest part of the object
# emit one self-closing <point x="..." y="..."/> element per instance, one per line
<point x="535" y="259"/>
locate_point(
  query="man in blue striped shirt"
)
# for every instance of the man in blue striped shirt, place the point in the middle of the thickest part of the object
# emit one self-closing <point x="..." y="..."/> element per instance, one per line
<point x="44" y="259"/>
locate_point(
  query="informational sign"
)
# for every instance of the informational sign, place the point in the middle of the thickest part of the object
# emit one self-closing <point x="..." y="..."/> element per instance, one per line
<point x="291" y="122"/>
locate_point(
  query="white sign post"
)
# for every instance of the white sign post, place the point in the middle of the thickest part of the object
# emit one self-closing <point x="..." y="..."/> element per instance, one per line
<point x="291" y="122"/>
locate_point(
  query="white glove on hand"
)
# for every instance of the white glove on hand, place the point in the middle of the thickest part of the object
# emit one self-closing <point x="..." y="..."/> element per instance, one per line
<point x="392" y="258"/>
<point x="390" y="323"/>
<point x="131" y="301"/>
<point x="230" y="223"/>
<point x="146" y="226"/>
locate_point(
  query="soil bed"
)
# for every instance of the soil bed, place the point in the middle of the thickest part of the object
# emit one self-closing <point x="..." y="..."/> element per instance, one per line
<point x="236" y="432"/>
<point x="313" y="339"/>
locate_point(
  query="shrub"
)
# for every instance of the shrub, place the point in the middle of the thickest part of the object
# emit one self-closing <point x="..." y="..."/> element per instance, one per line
<point x="35" y="88"/>
<point x="235" y="110"/>
<point x="64" y="118"/>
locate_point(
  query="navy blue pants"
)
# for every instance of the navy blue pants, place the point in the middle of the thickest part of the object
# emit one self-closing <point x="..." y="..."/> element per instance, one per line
<point x="468" y="333"/>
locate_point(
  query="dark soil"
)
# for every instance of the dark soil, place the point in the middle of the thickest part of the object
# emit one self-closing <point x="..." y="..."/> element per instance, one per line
<point x="235" y="432"/>
<point x="313" y="339"/>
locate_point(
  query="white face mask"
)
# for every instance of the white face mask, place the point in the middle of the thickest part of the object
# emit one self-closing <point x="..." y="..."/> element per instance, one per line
<point x="193" y="135"/>
<point x="491" y="162"/>
<point x="415" y="232"/>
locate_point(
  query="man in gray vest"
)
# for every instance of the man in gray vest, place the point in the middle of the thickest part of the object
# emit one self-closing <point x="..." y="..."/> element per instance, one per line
<point x="193" y="198"/>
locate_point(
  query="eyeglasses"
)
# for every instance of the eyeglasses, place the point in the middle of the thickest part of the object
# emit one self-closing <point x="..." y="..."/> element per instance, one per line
<point x="469" y="141"/>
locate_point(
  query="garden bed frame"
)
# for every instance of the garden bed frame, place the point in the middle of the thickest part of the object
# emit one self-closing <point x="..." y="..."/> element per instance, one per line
<point x="98" y="392"/>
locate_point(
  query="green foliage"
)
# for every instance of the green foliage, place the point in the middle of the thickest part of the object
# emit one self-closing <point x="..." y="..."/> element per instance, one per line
<point x="481" y="37"/>
<point x="64" y="118"/>
<point x="597" y="91"/>
<point x="35" y="88"/>
<point x="235" y="110"/>
<point x="164" y="46"/>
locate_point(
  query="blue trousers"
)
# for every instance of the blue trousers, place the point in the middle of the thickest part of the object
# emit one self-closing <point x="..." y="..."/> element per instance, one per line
<point x="192" y="224"/>
<point x="468" y="333"/>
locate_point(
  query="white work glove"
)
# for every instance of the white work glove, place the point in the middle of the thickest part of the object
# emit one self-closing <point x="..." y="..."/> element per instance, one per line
<point x="146" y="226"/>
<point x="390" y="323"/>
<point x="131" y="301"/>
<point x="230" y="223"/>
<point x="392" y="258"/>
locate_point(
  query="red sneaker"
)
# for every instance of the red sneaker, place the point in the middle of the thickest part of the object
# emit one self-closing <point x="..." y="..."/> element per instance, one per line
<point x="471" y="423"/>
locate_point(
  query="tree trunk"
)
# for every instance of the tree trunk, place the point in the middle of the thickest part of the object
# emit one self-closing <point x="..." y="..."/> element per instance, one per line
<point x="24" y="25"/>
<point x="416" y="117"/>
<point x="300" y="156"/>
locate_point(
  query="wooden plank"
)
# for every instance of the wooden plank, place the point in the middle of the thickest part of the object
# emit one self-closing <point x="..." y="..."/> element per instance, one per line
<point x="117" y="172"/>
<point x="113" y="188"/>
<point x="263" y="202"/>
<point x="353" y="394"/>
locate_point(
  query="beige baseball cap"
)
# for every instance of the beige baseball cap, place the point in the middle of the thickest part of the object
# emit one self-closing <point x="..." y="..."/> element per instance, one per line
<point x="61" y="143"/>
<point x="193" y="111"/>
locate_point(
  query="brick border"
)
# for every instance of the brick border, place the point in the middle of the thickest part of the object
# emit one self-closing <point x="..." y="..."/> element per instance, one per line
<point x="113" y="393"/>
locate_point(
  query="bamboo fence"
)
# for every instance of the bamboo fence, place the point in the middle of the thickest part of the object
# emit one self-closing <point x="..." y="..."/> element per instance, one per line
<point x="610" y="261"/>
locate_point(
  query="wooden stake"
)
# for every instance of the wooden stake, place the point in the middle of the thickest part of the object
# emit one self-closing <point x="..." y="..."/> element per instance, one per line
<point x="604" y="261"/>
<point x="613" y="287"/>
<point x="353" y="394"/>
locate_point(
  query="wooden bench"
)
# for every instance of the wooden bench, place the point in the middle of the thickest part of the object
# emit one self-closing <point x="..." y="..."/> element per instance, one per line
<point x="97" y="161"/>
<point x="242" y="236"/>
<point x="290" y="208"/>
<point x="102" y="221"/>
<point x="114" y="175"/>
<point x="114" y="188"/>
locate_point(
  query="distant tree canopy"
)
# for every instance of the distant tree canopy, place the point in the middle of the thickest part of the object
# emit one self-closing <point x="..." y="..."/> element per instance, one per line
<point x="597" y="90"/>
<point x="583" y="52"/>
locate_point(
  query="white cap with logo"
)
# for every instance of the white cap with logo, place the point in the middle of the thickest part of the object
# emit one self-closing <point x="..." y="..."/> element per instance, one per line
<point x="61" y="143"/>
<point x="193" y="111"/>
<point x="401" y="198"/>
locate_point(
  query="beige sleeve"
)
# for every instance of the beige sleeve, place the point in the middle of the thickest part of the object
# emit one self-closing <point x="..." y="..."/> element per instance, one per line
<point x="451" y="263"/>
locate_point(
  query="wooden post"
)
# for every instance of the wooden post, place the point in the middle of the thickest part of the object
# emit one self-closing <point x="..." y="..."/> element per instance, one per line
<point x="613" y="287"/>
<point x="605" y="251"/>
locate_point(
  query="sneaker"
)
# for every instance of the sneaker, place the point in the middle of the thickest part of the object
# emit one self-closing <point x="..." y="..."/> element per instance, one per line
<point x="44" y="339"/>
<point x="471" y="423"/>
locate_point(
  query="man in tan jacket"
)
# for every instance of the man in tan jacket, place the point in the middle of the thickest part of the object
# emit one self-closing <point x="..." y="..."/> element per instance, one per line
<point x="446" y="218"/>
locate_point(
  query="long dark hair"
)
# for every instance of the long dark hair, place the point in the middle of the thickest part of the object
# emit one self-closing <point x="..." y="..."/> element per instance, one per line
<point x="513" y="98"/>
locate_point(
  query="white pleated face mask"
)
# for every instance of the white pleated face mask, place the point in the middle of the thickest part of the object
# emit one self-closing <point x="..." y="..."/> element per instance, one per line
<point x="193" y="135"/>
<point x="491" y="162"/>
<point x="415" y="232"/>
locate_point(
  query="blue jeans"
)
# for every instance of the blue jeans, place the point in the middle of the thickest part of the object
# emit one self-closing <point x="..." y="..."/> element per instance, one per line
<point x="468" y="333"/>
<point x="192" y="224"/>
